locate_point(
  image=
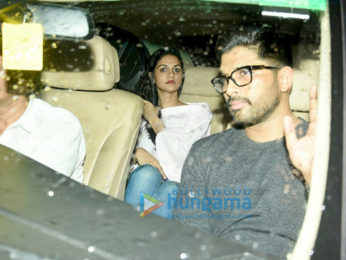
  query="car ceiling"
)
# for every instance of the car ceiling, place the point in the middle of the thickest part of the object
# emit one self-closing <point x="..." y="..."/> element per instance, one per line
<point x="192" y="25"/>
<point x="165" y="21"/>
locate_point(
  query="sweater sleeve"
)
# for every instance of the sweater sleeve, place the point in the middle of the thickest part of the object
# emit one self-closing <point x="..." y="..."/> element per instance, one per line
<point x="192" y="204"/>
<point x="174" y="142"/>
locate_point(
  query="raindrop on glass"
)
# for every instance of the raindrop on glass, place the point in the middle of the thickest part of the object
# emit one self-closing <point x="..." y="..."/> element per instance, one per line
<point x="184" y="256"/>
<point x="153" y="234"/>
<point x="100" y="212"/>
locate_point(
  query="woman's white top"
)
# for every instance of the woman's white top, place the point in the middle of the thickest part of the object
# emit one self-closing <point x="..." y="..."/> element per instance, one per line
<point x="184" y="125"/>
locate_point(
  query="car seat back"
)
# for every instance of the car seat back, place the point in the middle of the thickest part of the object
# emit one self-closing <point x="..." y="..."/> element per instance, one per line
<point x="110" y="117"/>
<point x="306" y="74"/>
<point x="197" y="88"/>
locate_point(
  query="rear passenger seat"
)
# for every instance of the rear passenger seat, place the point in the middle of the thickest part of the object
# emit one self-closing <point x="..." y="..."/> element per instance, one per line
<point x="110" y="117"/>
<point x="197" y="88"/>
<point x="306" y="74"/>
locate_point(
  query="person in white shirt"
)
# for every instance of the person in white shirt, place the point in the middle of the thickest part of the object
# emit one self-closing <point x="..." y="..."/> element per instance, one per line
<point x="50" y="135"/>
<point x="168" y="130"/>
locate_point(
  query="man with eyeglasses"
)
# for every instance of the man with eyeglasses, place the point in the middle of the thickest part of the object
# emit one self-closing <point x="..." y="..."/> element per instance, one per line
<point x="249" y="183"/>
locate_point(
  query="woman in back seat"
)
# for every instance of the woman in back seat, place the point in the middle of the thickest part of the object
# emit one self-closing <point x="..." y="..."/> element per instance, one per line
<point x="168" y="130"/>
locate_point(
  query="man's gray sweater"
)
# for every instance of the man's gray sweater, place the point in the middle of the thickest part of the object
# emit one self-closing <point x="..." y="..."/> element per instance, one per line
<point x="243" y="191"/>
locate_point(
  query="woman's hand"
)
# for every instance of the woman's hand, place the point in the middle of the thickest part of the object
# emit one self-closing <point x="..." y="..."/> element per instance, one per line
<point x="150" y="113"/>
<point x="144" y="157"/>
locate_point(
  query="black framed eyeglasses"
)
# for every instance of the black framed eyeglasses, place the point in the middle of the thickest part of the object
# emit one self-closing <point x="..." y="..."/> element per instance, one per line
<point x="241" y="77"/>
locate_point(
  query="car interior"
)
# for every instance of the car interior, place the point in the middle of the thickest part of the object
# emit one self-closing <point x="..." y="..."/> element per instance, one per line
<point x="111" y="117"/>
<point x="91" y="78"/>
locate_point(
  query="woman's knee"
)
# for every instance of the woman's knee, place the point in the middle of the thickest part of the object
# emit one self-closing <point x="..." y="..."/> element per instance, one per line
<point x="146" y="172"/>
<point x="144" y="176"/>
<point x="144" y="179"/>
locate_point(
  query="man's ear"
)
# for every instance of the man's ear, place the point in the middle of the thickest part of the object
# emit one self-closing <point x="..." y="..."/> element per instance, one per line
<point x="285" y="79"/>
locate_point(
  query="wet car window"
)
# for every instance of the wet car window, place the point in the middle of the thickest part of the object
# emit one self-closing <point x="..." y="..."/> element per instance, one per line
<point x="137" y="28"/>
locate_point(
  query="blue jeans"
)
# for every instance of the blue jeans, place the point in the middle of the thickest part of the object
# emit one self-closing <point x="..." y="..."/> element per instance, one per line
<point x="147" y="179"/>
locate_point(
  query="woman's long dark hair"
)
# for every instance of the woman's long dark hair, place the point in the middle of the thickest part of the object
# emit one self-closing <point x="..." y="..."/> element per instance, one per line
<point x="148" y="89"/>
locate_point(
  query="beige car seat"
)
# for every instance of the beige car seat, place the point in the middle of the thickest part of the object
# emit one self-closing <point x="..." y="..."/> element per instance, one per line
<point x="110" y="117"/>
<point x="306" y="74"/>
<point x="197" y="88"/>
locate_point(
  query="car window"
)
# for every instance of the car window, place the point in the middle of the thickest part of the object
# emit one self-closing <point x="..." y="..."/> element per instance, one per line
<point x="194" y="27"/>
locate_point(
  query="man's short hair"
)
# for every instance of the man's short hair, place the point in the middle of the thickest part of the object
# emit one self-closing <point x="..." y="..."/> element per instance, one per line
<point x="270" y="45"/>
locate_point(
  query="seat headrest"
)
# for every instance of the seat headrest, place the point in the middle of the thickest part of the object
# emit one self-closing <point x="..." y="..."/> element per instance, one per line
<point x="305" y="75"/>
<point x="102" y="73"/>
<point x="197" y="81"/>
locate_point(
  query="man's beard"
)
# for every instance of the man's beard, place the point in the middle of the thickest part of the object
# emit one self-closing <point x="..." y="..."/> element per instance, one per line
<point x="252" y="114"/>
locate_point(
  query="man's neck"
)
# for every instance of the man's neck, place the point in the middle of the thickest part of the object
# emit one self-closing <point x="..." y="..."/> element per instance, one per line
<point x="270" y="129"/>
<point x="11" y="109"/>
